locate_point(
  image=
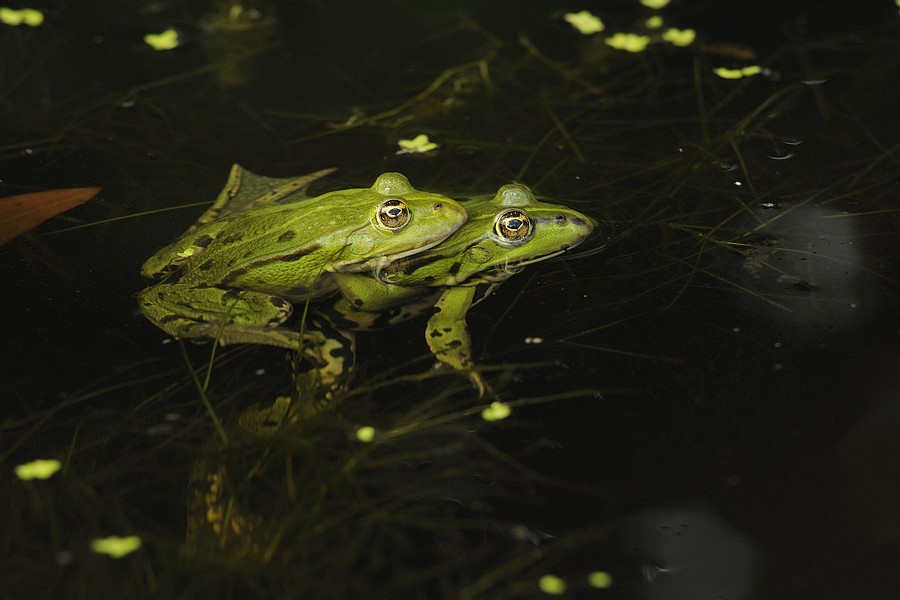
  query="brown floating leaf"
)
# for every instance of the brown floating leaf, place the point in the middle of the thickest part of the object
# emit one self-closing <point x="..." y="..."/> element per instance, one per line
<point x="18" y="214"/>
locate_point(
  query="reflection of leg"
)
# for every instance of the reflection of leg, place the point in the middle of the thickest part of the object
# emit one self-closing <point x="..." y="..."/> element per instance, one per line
<point x="263" y="422"/>
<point x="332" y="350"/>
<point x="215" y="522"/>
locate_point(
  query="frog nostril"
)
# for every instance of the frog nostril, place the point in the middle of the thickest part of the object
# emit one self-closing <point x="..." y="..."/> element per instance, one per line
<point x="437" y="206"/>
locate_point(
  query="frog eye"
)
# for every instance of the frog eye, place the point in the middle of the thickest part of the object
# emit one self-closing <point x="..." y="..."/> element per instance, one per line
<point x="513" y="226"/>
<point x="393" y="214"/>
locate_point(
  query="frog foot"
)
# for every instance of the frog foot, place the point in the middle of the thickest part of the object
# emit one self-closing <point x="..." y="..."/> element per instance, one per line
<point x="478" y="382"/>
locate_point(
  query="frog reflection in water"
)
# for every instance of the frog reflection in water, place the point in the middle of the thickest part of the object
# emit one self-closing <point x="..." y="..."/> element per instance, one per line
<point x="263" y="245"/>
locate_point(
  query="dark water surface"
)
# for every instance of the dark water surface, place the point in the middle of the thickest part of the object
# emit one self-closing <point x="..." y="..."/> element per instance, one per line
<point x="713" y="411"/>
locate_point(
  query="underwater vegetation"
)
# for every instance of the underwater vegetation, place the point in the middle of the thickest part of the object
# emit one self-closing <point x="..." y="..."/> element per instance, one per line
<point x="696" y="400"/>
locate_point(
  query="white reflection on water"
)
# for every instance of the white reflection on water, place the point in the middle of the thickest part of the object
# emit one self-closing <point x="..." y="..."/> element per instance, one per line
<point x="690" y="552"/>
<point x="805" y="268"/>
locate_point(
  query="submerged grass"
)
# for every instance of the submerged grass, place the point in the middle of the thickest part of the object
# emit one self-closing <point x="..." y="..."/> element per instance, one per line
<point x="420" y="507"/>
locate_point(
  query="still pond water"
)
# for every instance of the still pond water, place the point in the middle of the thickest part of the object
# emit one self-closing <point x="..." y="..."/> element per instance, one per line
<point x="704" y="394"/>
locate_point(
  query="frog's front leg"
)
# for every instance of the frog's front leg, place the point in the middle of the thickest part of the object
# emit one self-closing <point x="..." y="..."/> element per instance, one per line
<point x="448" y="335"/>
<point x="227" y="316"/>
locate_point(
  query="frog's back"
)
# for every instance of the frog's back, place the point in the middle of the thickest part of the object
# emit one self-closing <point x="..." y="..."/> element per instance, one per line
<point x="283" y="249"/>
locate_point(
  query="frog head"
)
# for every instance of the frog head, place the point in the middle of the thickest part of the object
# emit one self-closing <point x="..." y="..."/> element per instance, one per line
<point x="502" y="235"/>
<point x="402" y="221"/>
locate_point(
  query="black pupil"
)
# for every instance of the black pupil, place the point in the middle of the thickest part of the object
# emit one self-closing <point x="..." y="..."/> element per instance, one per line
<point x="514" y="224"/>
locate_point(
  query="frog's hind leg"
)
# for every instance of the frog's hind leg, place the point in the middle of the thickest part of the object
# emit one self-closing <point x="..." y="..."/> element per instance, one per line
<point x="246" y="191"/>
<point x="226" y="316"/>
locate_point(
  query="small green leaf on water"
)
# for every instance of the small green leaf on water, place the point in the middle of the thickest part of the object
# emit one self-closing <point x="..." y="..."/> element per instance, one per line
<point x="417" y="145"/>
<point x="630" y="42"/>
<point x="600" y="579"/>
<point x="38" y="469"/>
<point x="24" y="16"/>
<point x="655" y="4"/>
<point x="679" y="37"/>
<point x="165" y="40"/>
<point x="365" y="434"/>
<point x="654" y="22"/>
<point x="585" y="22"/>
<point x="186" y="253"/>
<point x="737" y="73"/>
<point x="497" y="411"/>
<point x="116" y="546"/>
<point x="552" y="585"/>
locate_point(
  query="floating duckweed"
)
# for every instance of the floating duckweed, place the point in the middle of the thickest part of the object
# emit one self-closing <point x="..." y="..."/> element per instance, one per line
<point x="552" y="585"/>
<point x="630" y="42"/>
<point x="24" y="16"/>
<point x="116" y="546"/>
<point x="497" y="411"/>
<point x="600" y="579"/>
<point x="365" y="434"/>
<point x="585" y="22"/>
<point x="727" y="73"/>
<point x="737" y="73"/>
<point x="186" y="253"/>
<point x="38" y="469"/>
<point x="655" y="4"/>
<point x="679" y="37"/>
<point x="654" y="22"/>
<point x="165" y="40"/>
<point x="417" y="145"/>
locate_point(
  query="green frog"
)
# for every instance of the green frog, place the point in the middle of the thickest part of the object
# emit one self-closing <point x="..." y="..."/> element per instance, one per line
<point x="264" y="245"/>
<point x="502" y="235"/>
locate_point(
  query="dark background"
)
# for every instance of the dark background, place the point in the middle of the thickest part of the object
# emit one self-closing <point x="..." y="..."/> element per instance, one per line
<point x="763" y="399"/>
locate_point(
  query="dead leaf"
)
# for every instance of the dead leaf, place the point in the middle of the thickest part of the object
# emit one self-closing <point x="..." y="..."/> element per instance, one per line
<point x="18" y="214"/>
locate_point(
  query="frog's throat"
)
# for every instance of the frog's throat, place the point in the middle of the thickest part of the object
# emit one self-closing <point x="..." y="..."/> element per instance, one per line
<point x="381" y="262"/>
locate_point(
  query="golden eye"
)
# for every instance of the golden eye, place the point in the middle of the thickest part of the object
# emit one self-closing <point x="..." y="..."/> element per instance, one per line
<point x="513" y="225"/>
<point x="393" y="214"/>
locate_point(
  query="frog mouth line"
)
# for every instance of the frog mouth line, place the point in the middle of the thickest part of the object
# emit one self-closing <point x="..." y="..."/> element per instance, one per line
<point x="520" y="264"/>
<point x="524" y="262"/>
